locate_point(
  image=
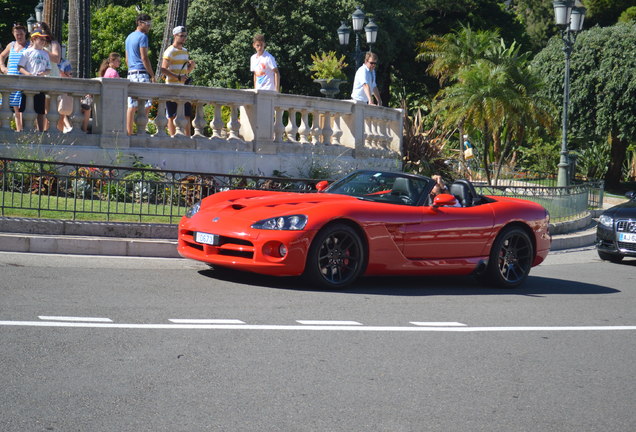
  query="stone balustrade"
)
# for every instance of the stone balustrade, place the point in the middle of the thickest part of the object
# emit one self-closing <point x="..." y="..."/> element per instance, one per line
<point x="245" y="130"/>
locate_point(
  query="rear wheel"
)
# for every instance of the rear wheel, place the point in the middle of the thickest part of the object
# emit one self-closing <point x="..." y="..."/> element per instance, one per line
<point x="615" y="258"/>
<point x="510" y="258"/>
<point x="336" y="257"/>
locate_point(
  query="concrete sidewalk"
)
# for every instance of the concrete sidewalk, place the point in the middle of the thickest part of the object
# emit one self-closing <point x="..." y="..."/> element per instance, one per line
<point x="160" y="240"/>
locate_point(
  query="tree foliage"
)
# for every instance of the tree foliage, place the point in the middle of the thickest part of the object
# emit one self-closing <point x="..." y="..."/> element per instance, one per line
<point x="13" y="11"/>
<point x="628" y="15"/>
<point x="605" y="12"/>
<point x="537" y="17"/>
<point x="112" y="24"/>
<point x="602" y="89"/>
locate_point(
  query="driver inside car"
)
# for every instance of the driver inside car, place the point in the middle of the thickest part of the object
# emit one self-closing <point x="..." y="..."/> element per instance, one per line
<point x="440" y="188"/>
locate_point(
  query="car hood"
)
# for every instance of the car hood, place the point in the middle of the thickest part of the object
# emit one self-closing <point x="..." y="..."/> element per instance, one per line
<point x="624" y="210"/>
<point x="257" y="207"/>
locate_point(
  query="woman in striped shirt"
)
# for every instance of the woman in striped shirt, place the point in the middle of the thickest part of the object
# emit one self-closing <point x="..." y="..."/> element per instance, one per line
<point x="14" y="52"/>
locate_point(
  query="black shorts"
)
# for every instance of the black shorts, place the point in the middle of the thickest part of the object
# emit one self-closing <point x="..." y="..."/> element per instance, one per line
<point x="171" y="109"/>
<point x="38" y="102"/>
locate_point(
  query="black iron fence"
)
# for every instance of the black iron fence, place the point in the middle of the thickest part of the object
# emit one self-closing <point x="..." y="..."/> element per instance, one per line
<point x="139" y="193"/>
<point x="562" y="202"/>
<point x="60" y="190"/>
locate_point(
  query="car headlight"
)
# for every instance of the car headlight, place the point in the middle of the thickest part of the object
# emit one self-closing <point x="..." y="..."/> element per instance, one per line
<point x="606" y="220"/>
<point x="291" y="223"/>
<point x="193" y="210"/>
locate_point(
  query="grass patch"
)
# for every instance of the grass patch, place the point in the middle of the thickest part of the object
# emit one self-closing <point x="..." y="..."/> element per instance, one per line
<point x="52" y="207"/>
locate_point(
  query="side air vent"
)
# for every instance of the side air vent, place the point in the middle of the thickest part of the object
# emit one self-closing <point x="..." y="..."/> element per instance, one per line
<point x="238" y="206"/>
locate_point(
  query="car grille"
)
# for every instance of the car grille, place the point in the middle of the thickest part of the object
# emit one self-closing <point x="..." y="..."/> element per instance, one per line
<point x="627" y="246"/>
<point x="627" y="226"/>
<point x="228" y="246"/>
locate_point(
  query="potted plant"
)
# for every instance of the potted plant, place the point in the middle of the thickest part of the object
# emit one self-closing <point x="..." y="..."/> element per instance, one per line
<point x="327" y="71"/>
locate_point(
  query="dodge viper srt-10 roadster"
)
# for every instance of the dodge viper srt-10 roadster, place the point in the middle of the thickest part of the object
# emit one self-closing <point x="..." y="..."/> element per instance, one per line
<point x="368" y="223"/>
<point x="616" y="231"/>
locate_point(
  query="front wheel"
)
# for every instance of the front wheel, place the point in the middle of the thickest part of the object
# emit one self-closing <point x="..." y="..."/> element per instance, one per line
<point x="510" y="258"/>
<point x="336" y="257"/>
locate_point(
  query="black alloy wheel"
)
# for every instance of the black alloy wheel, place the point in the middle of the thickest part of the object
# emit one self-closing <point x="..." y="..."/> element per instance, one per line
<point x="511" y="258"/>
<point x="336" y="257"/>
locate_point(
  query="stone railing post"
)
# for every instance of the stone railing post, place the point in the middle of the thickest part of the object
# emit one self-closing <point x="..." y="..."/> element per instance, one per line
<point x="257" y="122"/>
<point x="353" y="128"/>
<point x="111" y="113"/>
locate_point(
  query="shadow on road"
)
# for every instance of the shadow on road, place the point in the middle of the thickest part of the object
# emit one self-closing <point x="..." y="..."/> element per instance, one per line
<point x="417" y="286"/>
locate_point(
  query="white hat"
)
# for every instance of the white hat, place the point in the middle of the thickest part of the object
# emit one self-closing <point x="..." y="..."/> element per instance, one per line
<point x="178" y="29"/>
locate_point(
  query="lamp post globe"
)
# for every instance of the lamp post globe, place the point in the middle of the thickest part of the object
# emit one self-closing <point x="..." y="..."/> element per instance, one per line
<point x="371" y="31"/>
<point x="39" y="9"/>
<point x="343" y="33"/>
<point x="357" y="17"/>
<point x="31" y="23"/>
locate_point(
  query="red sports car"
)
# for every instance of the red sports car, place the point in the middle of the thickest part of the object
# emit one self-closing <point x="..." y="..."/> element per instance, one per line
<point x="368" y="223"/>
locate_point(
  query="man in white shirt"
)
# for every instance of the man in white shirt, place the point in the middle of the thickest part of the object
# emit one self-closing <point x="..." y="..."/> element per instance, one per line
<point x="264" y="67"/>
<point x="364" y="85"/>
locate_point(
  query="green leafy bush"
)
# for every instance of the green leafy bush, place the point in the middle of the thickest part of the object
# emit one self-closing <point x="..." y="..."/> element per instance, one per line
<point x="328" y="66"/>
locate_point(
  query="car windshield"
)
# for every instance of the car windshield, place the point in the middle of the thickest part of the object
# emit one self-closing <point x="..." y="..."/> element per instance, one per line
<point x="382" y="187"/>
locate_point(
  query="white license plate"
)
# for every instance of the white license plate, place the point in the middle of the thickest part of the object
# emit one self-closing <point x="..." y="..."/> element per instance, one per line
<point x="627" y="237"/>
<point x="205" y="238"/>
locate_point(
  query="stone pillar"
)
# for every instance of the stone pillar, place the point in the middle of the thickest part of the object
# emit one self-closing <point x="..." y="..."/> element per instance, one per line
<point x="257" y="122"/>
<point x="352" y="126"/>
<point x="111" y="112"/>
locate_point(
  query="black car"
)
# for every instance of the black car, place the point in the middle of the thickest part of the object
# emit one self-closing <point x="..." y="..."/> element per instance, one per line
<point x="616" y="231"/>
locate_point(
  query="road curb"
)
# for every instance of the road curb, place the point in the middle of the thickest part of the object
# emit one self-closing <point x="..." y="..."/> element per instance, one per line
<point x="88" y="245"/>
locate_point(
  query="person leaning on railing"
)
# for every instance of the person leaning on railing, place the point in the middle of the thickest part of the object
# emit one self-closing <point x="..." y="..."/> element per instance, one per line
<point x="35" y="62"/>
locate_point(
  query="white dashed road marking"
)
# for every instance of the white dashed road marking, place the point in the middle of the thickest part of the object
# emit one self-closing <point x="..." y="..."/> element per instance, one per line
<point x="75" y="319"/>
<point x="328" y="323"/>
<point x="206" y="321"/>
<point x="438" y="324"/>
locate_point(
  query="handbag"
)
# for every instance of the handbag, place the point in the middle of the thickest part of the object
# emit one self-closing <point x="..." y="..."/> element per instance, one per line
<point x="65" y="105"/>
<point x="468" y="153"/>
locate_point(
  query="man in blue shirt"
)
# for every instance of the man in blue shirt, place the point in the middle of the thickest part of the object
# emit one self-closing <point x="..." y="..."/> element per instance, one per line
<point x="139" y="67"/>
<point x="364" y="84"/>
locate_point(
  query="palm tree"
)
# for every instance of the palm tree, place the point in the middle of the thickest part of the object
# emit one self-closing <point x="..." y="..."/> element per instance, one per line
<point x="491" y="91"/>
<point x="79" y="37"/>
<point x="478" y="102"/>
<point x="450" y="53"/>
<point x="52" y="15"/>
<point x="501" y="102"/>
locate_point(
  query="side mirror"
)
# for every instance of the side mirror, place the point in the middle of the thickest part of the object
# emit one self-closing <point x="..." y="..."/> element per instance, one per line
<point x="444" y="200"/>
<point x="322" y="185"/>
<point x="631" y="195"/>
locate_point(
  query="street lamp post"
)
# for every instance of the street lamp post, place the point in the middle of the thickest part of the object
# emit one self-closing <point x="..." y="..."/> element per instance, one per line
<point x="569" y="18"/>
<point x="370" y="30"/>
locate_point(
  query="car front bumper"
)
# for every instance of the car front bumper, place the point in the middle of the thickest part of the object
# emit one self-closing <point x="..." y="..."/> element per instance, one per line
<point x="258" y="251"/>
<point x="606" y="241"/>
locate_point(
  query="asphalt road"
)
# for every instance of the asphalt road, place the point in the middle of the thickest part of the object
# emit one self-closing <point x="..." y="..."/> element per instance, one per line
<point x="135" y="344"/>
